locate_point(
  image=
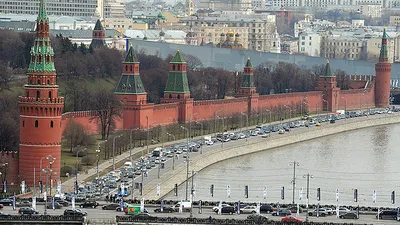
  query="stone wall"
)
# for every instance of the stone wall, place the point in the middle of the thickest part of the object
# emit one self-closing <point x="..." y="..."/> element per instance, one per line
<point x="178" y="175"/>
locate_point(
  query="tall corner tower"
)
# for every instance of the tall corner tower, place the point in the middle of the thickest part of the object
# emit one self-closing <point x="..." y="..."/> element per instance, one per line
<point x="327" y="84"/>
<point x="382" y="76"/>
<point x="247" y="86"/>
<point x="98" y="36"/>
<point x="131" y="92"/>
<point x="40" y="108"/>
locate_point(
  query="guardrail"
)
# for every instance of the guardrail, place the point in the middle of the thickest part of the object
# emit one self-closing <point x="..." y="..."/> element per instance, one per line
<point x="41" y="218"/>
<point x="175" y="220"/>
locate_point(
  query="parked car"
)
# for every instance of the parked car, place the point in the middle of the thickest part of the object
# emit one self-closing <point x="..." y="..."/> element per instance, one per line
<point x="293" y="209"/>
<point x="144" y="215"/>
<point x="267" y="209"/>
<point x="342" y="210"/>
<point x="291" y="219"/>
<point x="74" y="212"/>
<point x="282" y="212"/>
<point x="62" y="202"/>
<point x="56" y="205"/>
<point x="322" y="212"/>
<point x="112" y="206"/>
<point x="387" y="215"/>
<point x="349" y="215"/>
<point x="227" y="210"/>
<point x="257" y="218"/>
<point x="166" y="209"/>
<point x="27" y="211"/>
<point x="6" y="201"/>
<point x="23" y="204"/>
<point x="249" y="209"/>
<point x="89" y="204"/>
<point x="216" y="208"/>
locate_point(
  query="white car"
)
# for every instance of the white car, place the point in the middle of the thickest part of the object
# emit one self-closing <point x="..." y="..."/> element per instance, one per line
<point x="249" y="209"/>
<point x="209" y="142"/>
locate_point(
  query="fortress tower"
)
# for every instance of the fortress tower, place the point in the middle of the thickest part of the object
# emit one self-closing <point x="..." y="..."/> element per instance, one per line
<point x="247" y="87"/>
<point x="131" y="92"/>
<point x="98" y="36"/>
<point x="40" y="108"/>
<point x="382" y="76"/>
<point x="330" y="93"/>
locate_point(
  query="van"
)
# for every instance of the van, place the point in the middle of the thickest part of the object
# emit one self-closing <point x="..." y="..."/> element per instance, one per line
<point x="186" y="206"/>
<point x="387" y="215"/>
<point x="157" y="152"/>
<point x="128" y="164"/>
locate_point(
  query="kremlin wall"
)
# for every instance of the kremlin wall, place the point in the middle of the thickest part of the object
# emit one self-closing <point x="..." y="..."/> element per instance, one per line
<point x="41" y="121"/>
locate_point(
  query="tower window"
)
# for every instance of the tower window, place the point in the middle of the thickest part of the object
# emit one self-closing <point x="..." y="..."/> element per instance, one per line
<point x="48" y="82"/>
<point x="36" y="123"/>
<point x="173" y="67"/>
<point x="38" y="81"/>
<point x="126" y="67"/>
<point x="170" y="96"/>
<point x="37" y="95"/>
<point x="131" y="67"/>
<point x="27" y="94"/>
<point x="179" y="67"/>
<point x="179" y="96"/>
<point x="51" y="124"/>
<point x="50" y="95"/>
<point x="23" y="123"/>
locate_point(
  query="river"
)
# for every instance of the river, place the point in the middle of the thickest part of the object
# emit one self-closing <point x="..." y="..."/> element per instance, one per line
<point x="365" y="159"/>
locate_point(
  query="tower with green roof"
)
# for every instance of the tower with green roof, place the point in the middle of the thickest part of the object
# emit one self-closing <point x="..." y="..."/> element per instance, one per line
<point x="382" y="75"/>
<point x="177" y="88"/>
<point x="330" y="92"/>
<point x="40" y="107"/>
<point x="98" y="36"/>
<point x="132" y="94"/>
<point x="247" y="86"/>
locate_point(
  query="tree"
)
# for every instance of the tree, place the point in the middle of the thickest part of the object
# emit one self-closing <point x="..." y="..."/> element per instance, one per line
<point x="107" y="108"/>
<point x="5" y="76"/>
<point x="76" y="135"/>
<point x="343" y="81"/>
<point x="193" y="62"/>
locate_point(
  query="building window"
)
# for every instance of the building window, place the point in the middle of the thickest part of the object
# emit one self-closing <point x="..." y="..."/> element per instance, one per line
<point x="51" y="124"/>
<point x="36" y="123"/>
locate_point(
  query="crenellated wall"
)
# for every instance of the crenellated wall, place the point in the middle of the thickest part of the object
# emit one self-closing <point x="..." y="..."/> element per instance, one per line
<point x="208" y="109"/>
<point x="10" y="171"/>
<point x="165" y="114"/>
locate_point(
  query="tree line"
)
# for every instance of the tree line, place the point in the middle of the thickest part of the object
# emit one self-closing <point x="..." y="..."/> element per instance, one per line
<point x="78" y="66"/>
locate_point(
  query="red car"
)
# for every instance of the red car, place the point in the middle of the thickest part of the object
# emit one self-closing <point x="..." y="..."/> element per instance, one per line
<point x="291" y="219"/>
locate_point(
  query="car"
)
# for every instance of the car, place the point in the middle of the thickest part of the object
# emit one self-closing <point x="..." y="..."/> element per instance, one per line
<point x="257" y="218"/>
<point x="56" y="205"/>
<point x="165" y="209"/>
<point x="2" y="214"/>
<point x="349" y="215"/>
<point x="216" y="208"/>
<point x="266" y="209"/>
<point x="62" y="202"/>
<point x="112" y="206"/>
<point x="6" y="201"/>
<point x="387" y="215"/>
<point x="321" y="212"/>
<point x="27" y="211"/>
<point x="23" y="204"/>
<point x="249" y="209"/>
<point x="89" y="204"/>
<point x="291" y="219"/>
<point x="227" y="210"/>
<point x="74" y="212"/>
<point x="144" y="215"/>
<point x="282" y="212"/>
<point x="293" y="209"/>
<point x="342" y="210"/>
<point x="281" y="131"/>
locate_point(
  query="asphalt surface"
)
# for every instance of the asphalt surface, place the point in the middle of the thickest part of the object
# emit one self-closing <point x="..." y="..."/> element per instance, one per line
<point x="99" y="214"/>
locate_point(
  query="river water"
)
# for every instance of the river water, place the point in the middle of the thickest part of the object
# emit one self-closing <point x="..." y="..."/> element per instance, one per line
<point x="366" y="159"/>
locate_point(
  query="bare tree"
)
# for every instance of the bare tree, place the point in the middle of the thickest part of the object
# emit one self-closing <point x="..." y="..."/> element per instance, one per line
<point x="192" y="61"/>
<point x="76" y="135"/>
<point x="107" y="108"/>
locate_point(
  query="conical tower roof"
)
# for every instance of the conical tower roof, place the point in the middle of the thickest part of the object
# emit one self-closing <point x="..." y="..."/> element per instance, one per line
<point x="130" y="56"/>
<point x="98" y="25"/>
<point x="248" y="63"/>
<point x="327" y="71"/>
<point x="384" y="52"/>
<point x="42" y="11"/>
<point x="178" y="58"/>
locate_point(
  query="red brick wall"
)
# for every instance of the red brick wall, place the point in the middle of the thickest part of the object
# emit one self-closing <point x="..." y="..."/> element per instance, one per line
<point x="357" y="98"/>
<point x="165" y="114"/>
<point x="10" y="172"/>
<point x="208" y="109"/>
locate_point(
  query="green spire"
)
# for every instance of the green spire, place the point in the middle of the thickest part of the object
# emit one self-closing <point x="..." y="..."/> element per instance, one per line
<point x="130" y="57"/>
<point x="42" y="11"/>
<point x="327" y="71"/>
<point x="384" y="53"/>
<point x="98" y="25"/>
<point x="178" y="58"/>
<point x="248" y="63"/>
<point x="130" y="84"/>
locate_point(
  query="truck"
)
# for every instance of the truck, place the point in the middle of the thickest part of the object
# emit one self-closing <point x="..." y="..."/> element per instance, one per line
<point x="132" y="210"/>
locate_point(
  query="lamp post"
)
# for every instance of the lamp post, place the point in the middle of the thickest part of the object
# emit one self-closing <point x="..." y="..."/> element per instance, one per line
<point x="76" y="167"/>
<point x="290" y="114"/>
<point x="327" y="109"/>
<point x="301" y="106"/>
<point x="187" y="162"/>
<point x="47" y="171"/>
<point x="308" y="176"/>
<point x="215" y="120"/>
<point x="98" y="158"/>
<point x="41" y="167"/>
<point x="51" y="161"/>
<point x="294" y="177"/>
<point x="270" y="120"/>
<point x="247" y="121"/>
<point x="113" y="162"/>
<point x="130" y="145"/>
<point x="202" y="136"/>
<point x="222" y="142"/>
<point x="173" y="152"/>
<point x="5" y="172"/>
<point x="148" y="135"/>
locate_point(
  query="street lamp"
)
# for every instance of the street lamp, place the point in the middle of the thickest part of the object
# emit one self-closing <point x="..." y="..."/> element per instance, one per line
<point x="290" y="114"/>
<point x="308" y="176"/>
<point x="247" y="121"/>
<point x="130" y="145"/>
<point x="47" y="171"/>
<point x="148" y="135"/>
<point x="51" y="161"/>
<point x="113" y="162"/>
<point x="222" y="119"/>
<point x="301" y="106"/>
<point x="270" y="120"/>
<point x="97" y="155"/>
<point x="173" y="152"/>
<point x="215" y="120"/>
<point x="76" y="177"/>
<point x="5" y="172"/>
<point x="202" y="137"/>
<point x="187" y="162"/>
<point x="48" y="157"/>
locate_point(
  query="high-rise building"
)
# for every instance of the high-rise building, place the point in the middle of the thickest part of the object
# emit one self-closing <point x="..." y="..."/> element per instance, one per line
<point x="78" y="8"/>
<point x="40" y="109"/>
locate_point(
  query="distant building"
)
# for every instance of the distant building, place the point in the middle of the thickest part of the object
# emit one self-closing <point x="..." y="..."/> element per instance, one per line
<point x="114" y="9"/>
<point x="394" y="20"/>
<point x="369" y="10"/>
<point x="169" y="36"/>
<point x="229" y="5"/>
<point x="212" y="34"/>
<point x="309" y="44"/>
<point x="230" y="40"/>
<point x="289" y="45"/>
